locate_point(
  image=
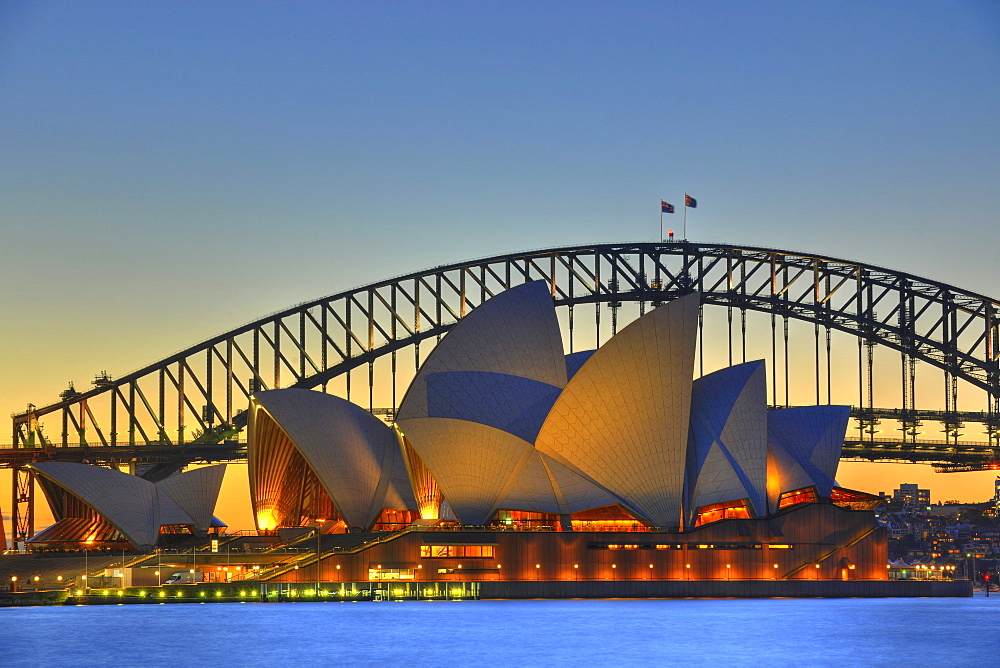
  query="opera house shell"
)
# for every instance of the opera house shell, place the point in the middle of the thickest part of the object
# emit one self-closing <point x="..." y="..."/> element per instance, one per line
<point x="502" y="429"/>
<point x="102" y="508"/>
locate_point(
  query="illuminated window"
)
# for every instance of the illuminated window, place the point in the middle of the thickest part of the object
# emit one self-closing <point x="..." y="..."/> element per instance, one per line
<point x="523" y="520"/>
<point x="456" y="551"/>
<point x="854" y="500"/>
<point x="804" y="495"/>
<point x="729" y="510"/>
<point x="606" y="518"/>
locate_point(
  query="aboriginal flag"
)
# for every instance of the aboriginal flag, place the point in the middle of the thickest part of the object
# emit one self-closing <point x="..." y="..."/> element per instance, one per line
<point x="666" y="207"/>
<point x="690" y="202"/>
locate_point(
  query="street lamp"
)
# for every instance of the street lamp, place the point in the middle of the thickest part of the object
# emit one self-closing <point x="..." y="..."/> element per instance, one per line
<point x="319" y="536"/>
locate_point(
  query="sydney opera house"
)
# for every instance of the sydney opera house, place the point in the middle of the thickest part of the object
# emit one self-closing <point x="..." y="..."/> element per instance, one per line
<point x="511" y="460"/>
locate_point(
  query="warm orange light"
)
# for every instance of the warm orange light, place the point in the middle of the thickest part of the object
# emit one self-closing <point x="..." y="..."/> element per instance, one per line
<point x="498" y="566"/>
<point x="338" y="567"/>
<point x="13" y="578"/>
<point x="418" y="566"/>
<point x="614" y="565"/>
<point x="651" y="565"/>
<point x="154" y="573"/>
<point x="36" y="578"/>
<point x="776" y="565"/>
<point x="460" y="565"/>
<point x="59" y="578"/>
<point x="687" y="565"/>
<point x="191" y="571"/>
<point x="729" y="565"/>
<point x="538" y="565"/>
<point x="576" y="565"/>
<point x="267" y="519"/>
<point x="817" y="566"/>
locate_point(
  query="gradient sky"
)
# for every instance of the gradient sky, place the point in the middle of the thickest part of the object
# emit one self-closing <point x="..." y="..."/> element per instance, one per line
<point x="171" y="170"/>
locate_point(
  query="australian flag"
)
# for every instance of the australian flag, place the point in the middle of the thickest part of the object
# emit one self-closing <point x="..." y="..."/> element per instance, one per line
<point x="690" y="202"/>
<point x="666" y="207"/>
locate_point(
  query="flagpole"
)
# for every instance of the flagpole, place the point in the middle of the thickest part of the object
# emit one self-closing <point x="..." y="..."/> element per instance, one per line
<point x="661" y="223"/>
<point x="685" y="216"/>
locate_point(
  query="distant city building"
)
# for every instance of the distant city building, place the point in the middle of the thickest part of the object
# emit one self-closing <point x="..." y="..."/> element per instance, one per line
<point x="910" y="495"/>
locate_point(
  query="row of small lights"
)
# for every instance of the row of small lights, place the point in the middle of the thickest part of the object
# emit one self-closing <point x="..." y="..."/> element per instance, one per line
<point x="13" y="578"/>
<point x="243" y="594"/>
<point x="59" y="578"/>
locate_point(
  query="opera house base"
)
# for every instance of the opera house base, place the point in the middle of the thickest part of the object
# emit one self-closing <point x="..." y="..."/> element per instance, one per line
<point x="807" y="550"/>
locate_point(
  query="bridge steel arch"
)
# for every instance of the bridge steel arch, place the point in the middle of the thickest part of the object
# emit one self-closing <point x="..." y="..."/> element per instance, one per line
<point x="196" y="398"/>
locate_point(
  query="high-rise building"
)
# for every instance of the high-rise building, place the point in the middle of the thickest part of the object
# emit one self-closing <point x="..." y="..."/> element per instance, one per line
<point x="909" y="494"/>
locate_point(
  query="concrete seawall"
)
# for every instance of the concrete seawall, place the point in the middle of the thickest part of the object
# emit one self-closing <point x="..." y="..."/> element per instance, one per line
<point x="255" y="591"/>
<point x="727" y="589"/>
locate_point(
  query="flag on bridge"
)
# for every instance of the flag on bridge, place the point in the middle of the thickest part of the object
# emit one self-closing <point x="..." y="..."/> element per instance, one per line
<point x="690" y="202"/>
<point x="666" y="207"/>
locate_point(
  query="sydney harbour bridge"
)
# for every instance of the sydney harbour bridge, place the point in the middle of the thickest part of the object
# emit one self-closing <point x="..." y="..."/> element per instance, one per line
<point x="917" y="359"/>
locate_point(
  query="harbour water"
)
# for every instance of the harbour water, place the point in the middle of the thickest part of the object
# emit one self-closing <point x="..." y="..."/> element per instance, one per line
<point x="758" y="632"/>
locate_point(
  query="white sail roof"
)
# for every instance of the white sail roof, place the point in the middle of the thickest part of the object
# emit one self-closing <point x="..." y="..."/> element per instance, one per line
<point x="355" y="456"/>
<point x="196" y="492"/>
<point x="812" y="436"/>
<point x="729" y="419"/>
<point x="515" y="333"/>
<point x="622" y="419"/>
<point x="473" y="463"/>
<point x="128" y="502"/>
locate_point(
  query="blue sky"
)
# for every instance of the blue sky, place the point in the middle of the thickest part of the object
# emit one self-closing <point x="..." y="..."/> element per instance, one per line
<point x="170" y="170"/>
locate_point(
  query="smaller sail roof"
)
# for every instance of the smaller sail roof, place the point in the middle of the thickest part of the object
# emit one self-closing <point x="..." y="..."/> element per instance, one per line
<point x="196" y="492"/>
<point x="128" y="502"/>
<point x="812" y="436"/>
<point x="727" y="443"/>
<point x="355" y="456"/>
